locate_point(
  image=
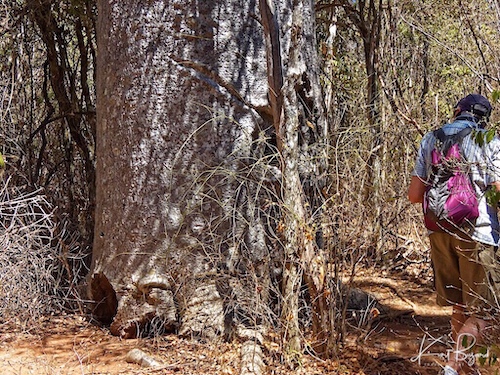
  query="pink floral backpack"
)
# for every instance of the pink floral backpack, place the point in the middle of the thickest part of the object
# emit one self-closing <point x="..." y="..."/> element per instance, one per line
<point x="450" y="201"/>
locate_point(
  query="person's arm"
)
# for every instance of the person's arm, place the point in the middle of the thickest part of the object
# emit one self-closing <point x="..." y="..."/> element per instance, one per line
<point x="418" y="186"/>
<point x="417" y="189"/>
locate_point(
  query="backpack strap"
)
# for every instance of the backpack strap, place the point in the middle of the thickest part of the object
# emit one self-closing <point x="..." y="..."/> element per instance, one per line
<point x="440" y="134"/>
<point x="448" y="140"/>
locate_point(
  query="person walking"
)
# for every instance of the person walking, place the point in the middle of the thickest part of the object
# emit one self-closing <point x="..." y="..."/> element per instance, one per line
<point x="461" y="276"/>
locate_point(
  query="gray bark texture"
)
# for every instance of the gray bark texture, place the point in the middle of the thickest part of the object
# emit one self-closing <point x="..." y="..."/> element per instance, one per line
<point x="182" y="93"/>
<point x="188" y="167"/>
<point x="301" y="130"/>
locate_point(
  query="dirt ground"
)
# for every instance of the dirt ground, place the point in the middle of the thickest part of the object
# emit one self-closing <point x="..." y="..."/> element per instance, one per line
<point x="410" y="339"/>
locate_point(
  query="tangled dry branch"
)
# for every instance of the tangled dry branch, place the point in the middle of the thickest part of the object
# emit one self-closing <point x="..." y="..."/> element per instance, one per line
<point x="31" y="270"/>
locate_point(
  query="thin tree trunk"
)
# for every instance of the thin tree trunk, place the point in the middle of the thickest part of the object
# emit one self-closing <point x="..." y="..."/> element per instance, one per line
<point x="304" y="261"/>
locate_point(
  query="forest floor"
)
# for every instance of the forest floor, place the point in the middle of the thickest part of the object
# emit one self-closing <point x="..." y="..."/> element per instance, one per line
<point x="411" y="339"/>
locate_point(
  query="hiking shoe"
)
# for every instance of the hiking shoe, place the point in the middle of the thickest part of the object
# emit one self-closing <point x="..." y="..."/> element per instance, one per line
<point x="449" y="370"/>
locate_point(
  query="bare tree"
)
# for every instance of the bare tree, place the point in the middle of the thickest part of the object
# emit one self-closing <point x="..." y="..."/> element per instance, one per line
<point x="366" y="17"/>
<point x="299" y="122"/>
<point x="69" y="101"/>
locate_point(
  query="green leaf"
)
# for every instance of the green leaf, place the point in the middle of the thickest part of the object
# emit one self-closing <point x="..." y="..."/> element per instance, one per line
<point x="492" y="196"/>
<point x="495" y="95"/>
<point x="2" y="161"/>
<point x="479" y="139"/>
<point x="482" y="360"/>
<point x="490" y="134"/>
<point x="464" y="341"/>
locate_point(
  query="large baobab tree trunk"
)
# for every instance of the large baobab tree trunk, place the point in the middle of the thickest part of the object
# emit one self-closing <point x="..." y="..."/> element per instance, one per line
<point x="180" y="85"/>
<point x="185" y="176"/>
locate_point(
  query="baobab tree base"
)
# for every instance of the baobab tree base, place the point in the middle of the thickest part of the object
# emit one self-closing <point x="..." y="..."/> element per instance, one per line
<point x="145" y="305"/>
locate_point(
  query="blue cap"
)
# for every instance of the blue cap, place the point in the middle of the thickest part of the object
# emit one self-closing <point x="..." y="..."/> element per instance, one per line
<point x="475" y="104"/>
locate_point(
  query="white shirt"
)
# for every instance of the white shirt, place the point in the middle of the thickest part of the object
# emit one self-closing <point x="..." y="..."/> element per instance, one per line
<point x="484" y="165"/>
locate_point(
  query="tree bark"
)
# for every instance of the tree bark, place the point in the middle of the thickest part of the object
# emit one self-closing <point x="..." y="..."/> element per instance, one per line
<point x="184" y="119"/>
<point x="299" y="120"/>
<point x="181" y="98"/>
